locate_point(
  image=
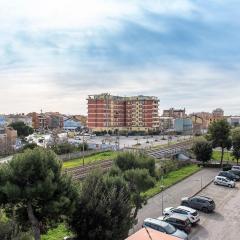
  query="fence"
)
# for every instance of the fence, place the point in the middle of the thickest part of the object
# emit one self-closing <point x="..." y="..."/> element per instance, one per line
<point x="69" y="156"/>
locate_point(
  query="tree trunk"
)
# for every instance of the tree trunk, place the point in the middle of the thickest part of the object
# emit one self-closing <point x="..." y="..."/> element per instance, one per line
<point x="222" y="156"/>
<point x="34" y="222"/>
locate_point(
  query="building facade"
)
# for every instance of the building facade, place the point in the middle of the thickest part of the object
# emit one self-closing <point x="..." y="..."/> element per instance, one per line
<point x="174" y="113"/>
<point x="8" y="138"/>
<point x="107" y="112"/>
<point x="183" y="126"/>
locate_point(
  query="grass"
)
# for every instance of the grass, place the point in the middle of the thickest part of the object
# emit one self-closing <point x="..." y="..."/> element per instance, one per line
<point x="172" y="178"/>
<point x="226" y="157"/>
<point x="89" y="159"/>
<point x="57" y="233"/>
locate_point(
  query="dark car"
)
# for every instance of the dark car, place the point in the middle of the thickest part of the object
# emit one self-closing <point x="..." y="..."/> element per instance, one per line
<point x="235" y="172"/>
<point x="229" y="175"/>
<point x="179" y="221"/>
<point x="201" y="203"/>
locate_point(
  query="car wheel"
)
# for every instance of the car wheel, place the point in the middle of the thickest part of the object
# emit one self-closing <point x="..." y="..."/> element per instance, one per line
<point x="230" y="186"/>
<point x="215" y="183"/>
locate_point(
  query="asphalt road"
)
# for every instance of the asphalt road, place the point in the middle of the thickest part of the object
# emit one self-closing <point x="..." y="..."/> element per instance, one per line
<point x="173" y="195"/>
<point x="224" y="223"/>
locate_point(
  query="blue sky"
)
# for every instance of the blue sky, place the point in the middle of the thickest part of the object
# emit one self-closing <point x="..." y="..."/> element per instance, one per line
<point x="55" y="53"/>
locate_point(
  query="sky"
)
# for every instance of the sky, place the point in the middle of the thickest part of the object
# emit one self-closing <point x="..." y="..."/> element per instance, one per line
<point x="54" y="53"/>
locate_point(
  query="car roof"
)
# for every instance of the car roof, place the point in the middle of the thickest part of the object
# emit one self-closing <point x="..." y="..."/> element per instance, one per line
<point x="188" y="209"/>
<point x="156" y="221"/>
<point x="203" y="197"/>
<point x="177" y="216"/>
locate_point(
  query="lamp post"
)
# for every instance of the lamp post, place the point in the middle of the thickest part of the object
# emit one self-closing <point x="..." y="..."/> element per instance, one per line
<point x="162" y="187"/>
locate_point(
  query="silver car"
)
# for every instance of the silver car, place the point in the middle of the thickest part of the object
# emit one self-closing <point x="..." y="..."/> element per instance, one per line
<point x="220" y="180"/>
<point x="164" y="227"/>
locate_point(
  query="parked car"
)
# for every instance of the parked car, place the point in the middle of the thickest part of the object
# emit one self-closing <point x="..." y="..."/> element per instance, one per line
<point x="236" y="172"/>
<point x="237" y="167"/>
<point x="201" y="203"/>
<point x="219" y="180"/>
<point x="191" y="213"/>
<point x="164" y="227"/>
<point x="229" y="175"/>
<point x="179" y="221"/>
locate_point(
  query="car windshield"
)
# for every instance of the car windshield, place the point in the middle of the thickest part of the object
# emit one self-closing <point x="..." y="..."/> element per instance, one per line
<point x="170" y="229"/>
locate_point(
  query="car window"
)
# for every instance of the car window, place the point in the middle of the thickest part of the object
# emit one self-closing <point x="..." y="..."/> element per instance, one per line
<point x="170" y="229"/>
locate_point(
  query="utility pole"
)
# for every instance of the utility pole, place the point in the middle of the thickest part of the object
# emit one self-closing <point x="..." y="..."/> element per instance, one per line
<point x="83" y="149"/>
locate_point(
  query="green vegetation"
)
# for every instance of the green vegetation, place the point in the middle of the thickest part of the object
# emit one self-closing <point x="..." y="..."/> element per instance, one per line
<point x="64" y="148"/>
<point x="90" y="159"/>
<point x="227" y="156"/>
<point x="236" y="143"/>
<point x="171" y="178"/>
<point x="22" y="129"/>
<point x="219" y="134"/>
<point x="202" y="150"/>
<point x="103" y="208"/>
<point x="57" y="233"/>
<point x="34" y="192"/>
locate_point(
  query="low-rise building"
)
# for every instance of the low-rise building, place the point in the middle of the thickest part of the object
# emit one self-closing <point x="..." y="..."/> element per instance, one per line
<point x="234" y="121"/>
<point x="166" y="123"/>
<point x="174" y="113"/>
<point x="13" y="118"/>
<point x="8" y="138"/>
<point x="183" y="126"/>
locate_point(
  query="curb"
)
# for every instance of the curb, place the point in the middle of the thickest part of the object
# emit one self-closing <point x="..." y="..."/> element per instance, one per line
<point x="202" y="188"/>
<point x="176" y="183"/>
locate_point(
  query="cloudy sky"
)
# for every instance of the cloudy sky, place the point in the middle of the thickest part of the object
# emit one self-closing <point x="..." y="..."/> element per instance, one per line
<point x="54" y="53"/>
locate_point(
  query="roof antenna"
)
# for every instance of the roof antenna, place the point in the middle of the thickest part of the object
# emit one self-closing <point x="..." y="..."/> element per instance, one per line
<point x="148" y="233"/>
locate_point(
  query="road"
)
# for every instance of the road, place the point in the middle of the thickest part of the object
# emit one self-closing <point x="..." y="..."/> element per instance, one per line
<point x="223" y="224"/>
<point x="173" y="195"/>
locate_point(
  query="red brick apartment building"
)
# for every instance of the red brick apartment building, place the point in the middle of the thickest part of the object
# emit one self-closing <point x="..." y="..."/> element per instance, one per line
<point x="107" y="112"/>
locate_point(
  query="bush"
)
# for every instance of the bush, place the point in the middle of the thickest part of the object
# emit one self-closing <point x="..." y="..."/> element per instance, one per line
<point x="130" y="160"/>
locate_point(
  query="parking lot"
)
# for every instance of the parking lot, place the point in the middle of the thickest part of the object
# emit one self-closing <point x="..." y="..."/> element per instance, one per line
<point x="224" y="223"/>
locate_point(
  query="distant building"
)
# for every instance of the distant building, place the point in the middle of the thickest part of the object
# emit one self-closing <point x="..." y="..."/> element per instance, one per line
<point x="183" y="125"/>
<point x="3" y="121"/>
<point x="71" y="124"/>
<point x="137" y="113"/>
<point x="12" y="118"/>
<point x="218" y="113"/>
<point x="48" y="120"/>
<point x="8" y="138"/>
<point x="174" y="113"/>
<point x="234" y="121"/>
<point x="166" y="123"/>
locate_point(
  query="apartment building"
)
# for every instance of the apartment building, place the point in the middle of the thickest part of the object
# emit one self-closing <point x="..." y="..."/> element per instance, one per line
<point x="48" y="120"/>
<point x="174" y="113"/>
<point x="137" y="113"/>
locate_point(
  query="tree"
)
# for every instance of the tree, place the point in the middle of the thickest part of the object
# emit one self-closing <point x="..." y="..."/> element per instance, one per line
<point x="22" y="129"/>
<point x="33" y="187"/>
<point x="203" y="150"/>
<point x="130" y="160"/>
<point x="219" y="134"/>
<point x="139" y="180"/>
<point x="236" y="143"/>
<point x="103" y="210"/>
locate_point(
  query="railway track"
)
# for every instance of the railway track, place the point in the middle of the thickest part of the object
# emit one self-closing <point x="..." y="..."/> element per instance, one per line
<point x="81" y="172"/>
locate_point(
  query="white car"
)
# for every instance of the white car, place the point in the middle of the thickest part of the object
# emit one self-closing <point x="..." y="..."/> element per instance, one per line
<point x="191" y="213"/>
<point x="236" y="167"/>
<point x="219" y="180"/>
